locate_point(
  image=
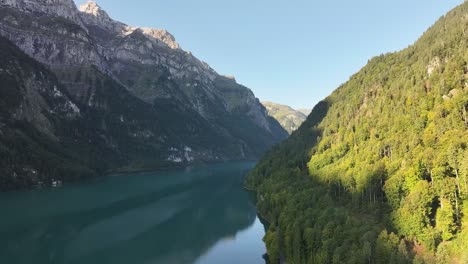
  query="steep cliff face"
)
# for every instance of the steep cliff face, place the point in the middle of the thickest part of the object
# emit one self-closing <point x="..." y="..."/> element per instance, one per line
<point x="140" y="56"/>
<point x="134" y="91"/>
<point x="35" y="109"/>
<point x="50" y="31"/>
<point x="60" y="8"/>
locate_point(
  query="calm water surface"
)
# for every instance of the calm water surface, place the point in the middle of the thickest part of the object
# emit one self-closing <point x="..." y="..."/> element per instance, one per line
<point x="196" y="215"/>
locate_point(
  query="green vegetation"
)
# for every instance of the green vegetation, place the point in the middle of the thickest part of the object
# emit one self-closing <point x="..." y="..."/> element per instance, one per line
<point x="29" y="154"/>
<point x="379" y="171"/>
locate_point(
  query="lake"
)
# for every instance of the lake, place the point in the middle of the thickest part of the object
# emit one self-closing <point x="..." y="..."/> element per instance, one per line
<point x="196" y="215"/>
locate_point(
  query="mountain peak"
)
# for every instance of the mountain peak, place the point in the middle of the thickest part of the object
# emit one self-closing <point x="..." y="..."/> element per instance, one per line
<point x="161" y="35"/>
<point x="94" y="9"/>
<point x="93" y="14"/>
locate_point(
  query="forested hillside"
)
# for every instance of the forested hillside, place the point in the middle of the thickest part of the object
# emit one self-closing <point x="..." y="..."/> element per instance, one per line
<point x="379" y="171"/>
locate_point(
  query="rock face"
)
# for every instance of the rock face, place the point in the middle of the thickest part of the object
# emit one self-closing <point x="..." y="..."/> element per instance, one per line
<point x="57" y="8"/>
<point x="289" y="118"/>
<point x="136" y="95"/>
<point x="93" y="15"/>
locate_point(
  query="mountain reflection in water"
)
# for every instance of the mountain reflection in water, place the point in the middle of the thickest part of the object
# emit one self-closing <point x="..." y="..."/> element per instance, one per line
<point x="176" y="216"/>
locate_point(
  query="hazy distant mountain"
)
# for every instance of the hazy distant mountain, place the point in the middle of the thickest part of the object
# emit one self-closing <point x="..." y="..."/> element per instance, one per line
<point x="98" y="95"/>
<point x="305" y="111"/>
<point x="289" y="118"/>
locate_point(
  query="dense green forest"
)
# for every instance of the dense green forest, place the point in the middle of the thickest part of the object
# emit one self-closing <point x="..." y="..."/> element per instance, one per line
<point x="379" y="171"/>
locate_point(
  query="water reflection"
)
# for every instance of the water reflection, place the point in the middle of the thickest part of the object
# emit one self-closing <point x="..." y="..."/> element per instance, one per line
<point x="178" y="216"/>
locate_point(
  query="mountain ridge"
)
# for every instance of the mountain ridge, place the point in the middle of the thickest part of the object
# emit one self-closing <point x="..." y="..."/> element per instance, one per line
<point x="141" y="99"/>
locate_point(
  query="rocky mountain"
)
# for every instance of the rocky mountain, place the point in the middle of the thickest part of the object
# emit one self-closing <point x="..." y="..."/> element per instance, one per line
<point x="378" y="173"/>
<point x="99" y="95"/>
<point x="289" y="118"/>
<point x="305" y="111"/>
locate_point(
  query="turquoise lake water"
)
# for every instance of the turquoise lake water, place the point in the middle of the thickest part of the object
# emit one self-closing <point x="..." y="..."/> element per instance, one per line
<point x="196" y="215"/>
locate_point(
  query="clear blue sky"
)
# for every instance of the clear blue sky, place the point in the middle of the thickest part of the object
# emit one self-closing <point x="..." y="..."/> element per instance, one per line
<point x="292" y="52"/>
